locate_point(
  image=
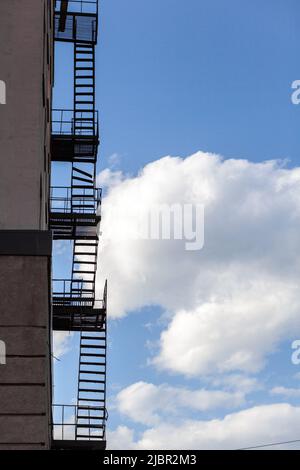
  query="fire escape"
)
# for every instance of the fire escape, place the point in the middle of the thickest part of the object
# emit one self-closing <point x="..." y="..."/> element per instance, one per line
<point x="75" y="215"/>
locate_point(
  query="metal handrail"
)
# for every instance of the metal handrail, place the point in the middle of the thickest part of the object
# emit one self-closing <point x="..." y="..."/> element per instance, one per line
<point x="65" y="420"/>
<point x="79" y="6"/>
<point x="63" y="123"/>
<point x="63" y="200"/>
<point x="64" y="296"/>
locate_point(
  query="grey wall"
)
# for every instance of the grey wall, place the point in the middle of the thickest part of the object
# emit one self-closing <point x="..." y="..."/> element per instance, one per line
<point x="24" y="327"/>
<point x="26" y="66"/>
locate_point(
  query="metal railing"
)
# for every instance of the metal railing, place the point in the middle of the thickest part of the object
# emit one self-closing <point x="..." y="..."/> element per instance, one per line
<point x="78" y="20"/>
<point x="79" y="6"/>
<point x="64" y="201"/>
<point x="63" y="123"/>
<point x="63" y="294"/>
<point x="65" y="417"/>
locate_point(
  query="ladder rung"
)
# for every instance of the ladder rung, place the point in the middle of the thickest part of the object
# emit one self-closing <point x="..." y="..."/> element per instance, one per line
<point x="87" y="262"/>
<point x="91" y="372"/>
<point x="97" y="338"/>
<point x="77" y="271"/>
<point x="89" y="390"/>
<point x="92" y="346"/>
<point x="78" y="170"/>
<point x="83" y="186"/>
<point x="85" y="244"/>
<point x="96" y="400"/>
<point x="92" y="408"/>
<point x="84" y="68"/>
<point x="91" y="417"/>
<point x="93" y="355"/>
<point x="93" y="363"/>
<point x="84" y="77"/>
<point x="94" y="426"/>
<point x="92" y="381"/>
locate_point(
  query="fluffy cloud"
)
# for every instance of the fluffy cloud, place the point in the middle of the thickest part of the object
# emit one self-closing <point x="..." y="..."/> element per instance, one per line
<point x="231" y="303"/>
<point x="121" y="438"/>
<point x="251" y="427"/>
<point x="234" y="333"/>
<point x="61" y="343"/>
<point x="148" y="404"/>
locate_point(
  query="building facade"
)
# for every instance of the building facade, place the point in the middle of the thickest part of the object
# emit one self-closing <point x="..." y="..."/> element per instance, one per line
<point x="26" y="70"/>
<point x="33" y="214"/>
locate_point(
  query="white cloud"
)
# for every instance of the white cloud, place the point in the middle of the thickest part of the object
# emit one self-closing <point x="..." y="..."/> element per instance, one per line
<point x="286" y="392"/>
<point x="61" y="343"/>
<point x="149" y="404"/>
<point x="234" y="333"/>
<point x="120" y="438"/>
<point x="251" y="427"/>
<point x="231" y="303"/>
<point x="236" y="382"/>
<point x="108" y="178"/>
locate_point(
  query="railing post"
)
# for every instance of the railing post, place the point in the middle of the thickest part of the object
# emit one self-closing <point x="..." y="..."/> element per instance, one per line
<point x="63" y="421"/>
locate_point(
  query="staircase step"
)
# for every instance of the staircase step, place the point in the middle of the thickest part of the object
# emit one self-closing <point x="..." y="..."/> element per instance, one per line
<point x="96" y="400"/>
<point x="84" y="77"/>
<point x="94" y="426"/>
<point x="92" y="408"/>
<point x="82" y="172"/>
<point x="93" y="263"/>
<point x="101" y="418"/>
<point x="82" y="186"/>
<point x="97" y="338"/>
<point x="93" y="355"/>
<point x="93" y="363"/>
<point x="91" y="372"/>
<point x="92" y="381"/>
<point x="85" y="244"/>
<point x="84" y="68"/>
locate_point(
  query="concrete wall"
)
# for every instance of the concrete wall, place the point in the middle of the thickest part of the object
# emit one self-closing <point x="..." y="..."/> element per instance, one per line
<point x="26" y="67"/>
<point x="24" y="327"/>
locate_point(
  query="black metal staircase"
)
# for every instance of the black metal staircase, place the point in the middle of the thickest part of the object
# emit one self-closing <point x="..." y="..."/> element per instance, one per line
<point x="76" y="20"/>
<point x="75" y="215"/>
<point x="92" y="386"/>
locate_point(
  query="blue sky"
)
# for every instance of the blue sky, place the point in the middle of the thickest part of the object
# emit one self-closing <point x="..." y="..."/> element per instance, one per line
<point x="173" y="78"/>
